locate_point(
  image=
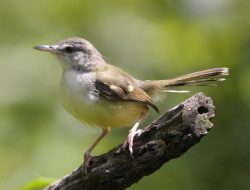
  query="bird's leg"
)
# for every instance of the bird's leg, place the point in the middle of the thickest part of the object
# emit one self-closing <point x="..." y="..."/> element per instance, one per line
<point x="87" y="157"/>
<point x="133" y="132"/>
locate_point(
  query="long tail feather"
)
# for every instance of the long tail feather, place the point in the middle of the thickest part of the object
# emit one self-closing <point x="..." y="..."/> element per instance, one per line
<point x="200" y="78"/>
<point x="197" y="78"/>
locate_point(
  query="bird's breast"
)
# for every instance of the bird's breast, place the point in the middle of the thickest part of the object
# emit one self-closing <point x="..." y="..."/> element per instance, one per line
<point x="80" y="100"/>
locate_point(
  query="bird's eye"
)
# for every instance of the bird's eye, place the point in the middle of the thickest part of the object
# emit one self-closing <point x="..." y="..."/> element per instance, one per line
<point x="68" y="49"/>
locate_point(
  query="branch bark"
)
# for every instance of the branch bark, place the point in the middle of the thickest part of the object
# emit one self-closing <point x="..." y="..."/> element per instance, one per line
<point x="166" y="138"/>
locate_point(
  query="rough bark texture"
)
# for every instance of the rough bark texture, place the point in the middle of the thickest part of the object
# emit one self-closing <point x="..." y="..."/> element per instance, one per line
<point x="166" y="138"/>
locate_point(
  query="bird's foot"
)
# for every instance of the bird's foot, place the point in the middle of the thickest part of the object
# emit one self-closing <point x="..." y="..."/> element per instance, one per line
<point x="86" y="160"/>
<point x="130" y="140"/>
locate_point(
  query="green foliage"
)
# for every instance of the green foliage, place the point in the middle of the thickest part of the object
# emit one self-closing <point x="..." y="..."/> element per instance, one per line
<point x="38" y="184"/>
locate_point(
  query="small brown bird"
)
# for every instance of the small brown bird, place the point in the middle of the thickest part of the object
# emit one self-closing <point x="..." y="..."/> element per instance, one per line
<point x="102" y="95"/>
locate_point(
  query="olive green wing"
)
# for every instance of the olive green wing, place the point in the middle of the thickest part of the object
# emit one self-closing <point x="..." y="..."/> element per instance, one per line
<point x="119" y="88"/>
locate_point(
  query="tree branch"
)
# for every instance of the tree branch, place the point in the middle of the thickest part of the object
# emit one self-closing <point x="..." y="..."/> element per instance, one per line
<point x="166" y="138"/>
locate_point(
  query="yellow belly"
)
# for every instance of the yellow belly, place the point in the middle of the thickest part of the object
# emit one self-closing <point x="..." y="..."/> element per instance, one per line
<point x="103" y="114"/>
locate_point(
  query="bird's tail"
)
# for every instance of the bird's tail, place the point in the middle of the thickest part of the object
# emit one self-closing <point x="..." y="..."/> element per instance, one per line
<point x="200" y="78"/>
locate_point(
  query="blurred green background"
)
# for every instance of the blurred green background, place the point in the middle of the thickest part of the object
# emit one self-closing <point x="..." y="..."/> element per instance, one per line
<point x="153" y="39"/>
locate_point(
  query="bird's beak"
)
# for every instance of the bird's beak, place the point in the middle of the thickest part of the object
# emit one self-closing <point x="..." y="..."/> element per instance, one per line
<point x="47" y="48"/>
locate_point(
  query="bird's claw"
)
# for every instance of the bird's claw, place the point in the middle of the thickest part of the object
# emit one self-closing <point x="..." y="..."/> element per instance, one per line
<point x="86" y="160"/>
<point x="130" y="141"/>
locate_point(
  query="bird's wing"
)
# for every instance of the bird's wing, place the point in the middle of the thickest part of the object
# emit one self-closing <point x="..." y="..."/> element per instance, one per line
<point x="122" y="88"/>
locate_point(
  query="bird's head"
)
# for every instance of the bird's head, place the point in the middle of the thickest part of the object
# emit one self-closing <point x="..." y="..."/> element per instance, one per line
<point x="75" y="53"/>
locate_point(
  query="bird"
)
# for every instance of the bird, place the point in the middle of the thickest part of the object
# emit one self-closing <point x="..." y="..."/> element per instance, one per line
<point x="102" y="95"/>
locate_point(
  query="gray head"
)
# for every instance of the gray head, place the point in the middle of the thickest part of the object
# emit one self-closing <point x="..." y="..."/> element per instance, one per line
<point x="75" y="53"/>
